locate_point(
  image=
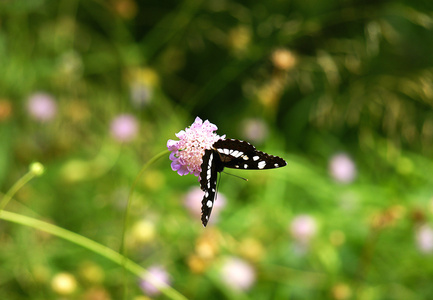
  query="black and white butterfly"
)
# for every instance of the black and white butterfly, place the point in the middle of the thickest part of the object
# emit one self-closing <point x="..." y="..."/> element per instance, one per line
<point x="233" y="154"/>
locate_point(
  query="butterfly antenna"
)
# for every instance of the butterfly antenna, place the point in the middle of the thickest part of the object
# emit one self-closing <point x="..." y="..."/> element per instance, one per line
<point x="235" y="176"/>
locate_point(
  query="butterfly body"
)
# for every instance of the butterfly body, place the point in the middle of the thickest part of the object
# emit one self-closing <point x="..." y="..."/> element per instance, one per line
<point x="233" y="154"/>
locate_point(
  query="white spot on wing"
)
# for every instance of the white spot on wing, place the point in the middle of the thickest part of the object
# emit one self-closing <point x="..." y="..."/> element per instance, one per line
<point x="245" y="166"/>
<point x="245" y="157"/>
<point x="209" y="203"/>
<point x="226" y="151"/>
<point x="276" y="165"/>
<point x="256" y="157"/>
<point x="261" y="164"/>
<point x="236" y="153"/>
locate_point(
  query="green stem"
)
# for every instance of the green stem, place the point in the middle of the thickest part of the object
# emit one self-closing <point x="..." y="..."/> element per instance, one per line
<point x="91" y="245"/>
<point x="123" y="250"/>
<point x="131" y="191"/>
<point x="36" y="169"/>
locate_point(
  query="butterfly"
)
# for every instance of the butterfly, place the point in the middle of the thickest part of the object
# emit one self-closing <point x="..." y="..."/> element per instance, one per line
<point x="230" y="153"/>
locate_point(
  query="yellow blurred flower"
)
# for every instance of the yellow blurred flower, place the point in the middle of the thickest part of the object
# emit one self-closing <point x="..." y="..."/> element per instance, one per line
<point x="142" y="82"/>
<point x="270" y="93"/>
<point x="126" y="9"/>
<point x="141" y="298"/>
<point x="283" y="59"/>
<point x="341" y="291"/>
<point x="154" y="180"/>
<point x="388" y="217"/>
<point x="337" y="238"/>
<point x="197" y="264"/>
<point x="208" y="244"/>
<point x="206" y="250"/>
<point x="64" y="283"/>
<point x="143" y="232"/>
<point x="239" y="38"/>
<point x="91" y="272"/>
<point x="96" y="293"/>
<point x="77" y="110"/>
<point x="251" y="249"/>
<point x="5" y="110"/>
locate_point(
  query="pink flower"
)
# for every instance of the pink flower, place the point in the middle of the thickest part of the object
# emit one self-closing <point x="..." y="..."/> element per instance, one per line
<point x="303" y="228"/>
<point x="157" y="279"/>
<point x="255" y="130"/>
<point x="124" y="128"/>
<point x="42" y="107"/>
<point x="342" y="168"/>
<point x="424" y="239"/>
<point x="187" y="153"/>
<point x="238" y="274"/>
<point x="193" y="203"/>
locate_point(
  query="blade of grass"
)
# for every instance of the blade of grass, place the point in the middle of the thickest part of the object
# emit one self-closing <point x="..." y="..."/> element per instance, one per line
<point x="93" y="246"/>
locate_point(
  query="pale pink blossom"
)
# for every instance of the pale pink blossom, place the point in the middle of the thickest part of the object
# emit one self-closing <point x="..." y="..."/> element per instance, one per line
<point x="153" y="282"/>
<point x="342" y="168"/>
<point x="424" y="239"/>
<point x="303" y="228"/>
<point x="238" y="274"/>
<point x="42" y="107"/>
<point x="193" y="200"/>
<point x="124" y="128"/>
<point x="255" y="130"/>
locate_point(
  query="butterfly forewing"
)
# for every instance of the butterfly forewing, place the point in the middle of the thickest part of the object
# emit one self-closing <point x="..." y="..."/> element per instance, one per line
<point x="238" y="154"/>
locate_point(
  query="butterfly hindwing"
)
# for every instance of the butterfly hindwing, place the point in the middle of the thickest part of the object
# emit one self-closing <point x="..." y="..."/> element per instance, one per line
<point x="208" y="180"/>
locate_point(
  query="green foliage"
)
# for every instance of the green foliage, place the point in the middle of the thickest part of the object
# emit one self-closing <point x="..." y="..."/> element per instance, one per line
<point x="341" y="89"/>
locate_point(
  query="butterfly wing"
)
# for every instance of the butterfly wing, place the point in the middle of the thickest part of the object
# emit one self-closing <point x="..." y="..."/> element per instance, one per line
<point x="234" y="154"/>
<point x="238" y="154"/>
<point x="208" y="180"/>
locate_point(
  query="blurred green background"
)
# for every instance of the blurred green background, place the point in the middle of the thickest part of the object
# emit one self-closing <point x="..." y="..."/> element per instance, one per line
<point x="343" y="90"/>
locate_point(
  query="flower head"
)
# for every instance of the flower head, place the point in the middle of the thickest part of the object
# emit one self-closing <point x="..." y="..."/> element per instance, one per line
<point x="187" y="153"/>
<point x="157" y="278"/>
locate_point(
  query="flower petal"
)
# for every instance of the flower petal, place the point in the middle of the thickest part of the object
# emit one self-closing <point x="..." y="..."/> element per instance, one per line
<point x="172" y="145"/>
<point x="183" y="170"/>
